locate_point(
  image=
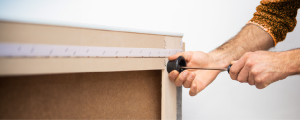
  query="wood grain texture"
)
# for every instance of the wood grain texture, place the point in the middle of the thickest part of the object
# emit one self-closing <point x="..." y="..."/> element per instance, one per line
<point x="35" y="66"/>
<point x="112" y="95"/>
<point x="59" y="35"/>
<point x="169" y="94"/>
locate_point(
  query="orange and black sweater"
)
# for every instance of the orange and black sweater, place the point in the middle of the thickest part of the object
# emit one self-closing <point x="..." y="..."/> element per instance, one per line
<point x="277" y="17"/>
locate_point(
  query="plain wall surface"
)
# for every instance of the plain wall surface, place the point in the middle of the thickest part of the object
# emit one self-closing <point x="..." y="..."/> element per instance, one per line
<point x="206" y="24"/>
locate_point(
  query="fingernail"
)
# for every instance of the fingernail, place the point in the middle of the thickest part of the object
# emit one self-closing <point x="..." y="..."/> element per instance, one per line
<point x="194" y="87"/>
<point x="185" y="73"/>
<point x="192" y="76"/>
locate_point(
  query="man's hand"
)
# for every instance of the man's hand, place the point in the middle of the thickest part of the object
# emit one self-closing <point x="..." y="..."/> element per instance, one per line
<point x="250" y="38"/>
<point x="196" y="80"/>
<point x="262" y="68"/>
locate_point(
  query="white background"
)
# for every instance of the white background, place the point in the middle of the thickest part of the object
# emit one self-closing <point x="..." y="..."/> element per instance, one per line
<point x="206" y="24"/>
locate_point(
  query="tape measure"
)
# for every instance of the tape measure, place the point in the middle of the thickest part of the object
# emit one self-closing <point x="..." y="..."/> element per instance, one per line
<point x="42" y="50"/>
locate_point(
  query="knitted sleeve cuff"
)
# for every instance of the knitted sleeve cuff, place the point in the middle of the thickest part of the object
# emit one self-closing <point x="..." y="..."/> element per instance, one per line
<point x="276" y="18"/>
<point x="265" y="28"/>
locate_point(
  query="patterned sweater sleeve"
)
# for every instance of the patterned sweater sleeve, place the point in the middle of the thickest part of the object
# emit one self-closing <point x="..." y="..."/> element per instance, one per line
<point x="277" y="17"/>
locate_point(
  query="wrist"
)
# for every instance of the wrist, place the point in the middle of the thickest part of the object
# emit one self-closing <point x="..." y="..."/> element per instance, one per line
<point x="219" y="59"/>
<point x="292" y="61"/>
<point x="251" y="38"/>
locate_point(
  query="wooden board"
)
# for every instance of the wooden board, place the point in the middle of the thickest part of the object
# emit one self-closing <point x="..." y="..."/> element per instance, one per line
<point x="169" y="94"/>
<point x="11" y="32"/>
<point x="33" y="66"/>
<point x="110" y="95"/>
<point x="59" y="35"/>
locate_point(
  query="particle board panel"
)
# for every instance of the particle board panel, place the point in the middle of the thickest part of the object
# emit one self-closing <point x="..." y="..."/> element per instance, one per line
<point x="60" y="35"/>
<point x="109" y="95"/>
<point x="35" y="66"/>
<point x="169" y="93"/>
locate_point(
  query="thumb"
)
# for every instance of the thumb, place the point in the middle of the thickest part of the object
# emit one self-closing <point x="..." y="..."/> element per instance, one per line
<point x="187" y="56"/>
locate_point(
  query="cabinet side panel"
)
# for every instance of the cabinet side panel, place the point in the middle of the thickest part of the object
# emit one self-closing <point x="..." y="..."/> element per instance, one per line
<point x="45" y="34"/>
<point x="110" y="95"/>
<point x="169" y="93"/>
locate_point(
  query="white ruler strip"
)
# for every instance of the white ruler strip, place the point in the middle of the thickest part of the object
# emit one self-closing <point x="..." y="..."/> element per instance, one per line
<point x="40" y="50"/>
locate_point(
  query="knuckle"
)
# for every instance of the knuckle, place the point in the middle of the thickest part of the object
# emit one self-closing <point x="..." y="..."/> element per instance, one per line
<point x="233" y="71"/>
<point x="249" y="63"/>
<point x="254" y="72"/>
<point x="259" y="82"/>
<point x="247" y="54"/>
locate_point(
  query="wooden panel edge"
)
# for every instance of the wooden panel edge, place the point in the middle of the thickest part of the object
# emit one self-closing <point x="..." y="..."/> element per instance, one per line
<point x="168" y="98"/>
<point x="33" y="66"/>
<point x="169" y="92"/>
<point x="60" y="35"/>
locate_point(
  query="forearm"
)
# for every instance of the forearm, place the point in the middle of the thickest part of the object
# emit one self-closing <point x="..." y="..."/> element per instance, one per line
<point x="250" y="38"/>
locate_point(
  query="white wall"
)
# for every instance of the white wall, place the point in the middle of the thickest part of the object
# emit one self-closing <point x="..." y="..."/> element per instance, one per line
<point x="206" y="24"/>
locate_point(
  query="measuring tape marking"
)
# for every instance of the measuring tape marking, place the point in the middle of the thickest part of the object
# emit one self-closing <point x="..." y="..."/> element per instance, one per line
<point x="42" y="50"/>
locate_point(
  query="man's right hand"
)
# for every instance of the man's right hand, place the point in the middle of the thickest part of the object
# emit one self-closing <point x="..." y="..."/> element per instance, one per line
<point x="250" y="38"/>
<point x="196" y="80"/>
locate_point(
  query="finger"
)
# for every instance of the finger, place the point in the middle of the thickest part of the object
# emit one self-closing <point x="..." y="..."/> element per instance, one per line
<point x="233" y="62"/>
<point x="260" y="85"/>
<point x="181" y="78"/>
<point x="251" y="80"/>
<point x="193" y="90"/>
<point x="259" y="82"/>
<point x="243" y="75"/>
<point x="173" y="75"/>
<point x="189" y="80"/>
<point x="186" y="55"/>
<point x="237" y="67"/>
<point x="262" y="81"/>
<point x="197" y="87"/>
